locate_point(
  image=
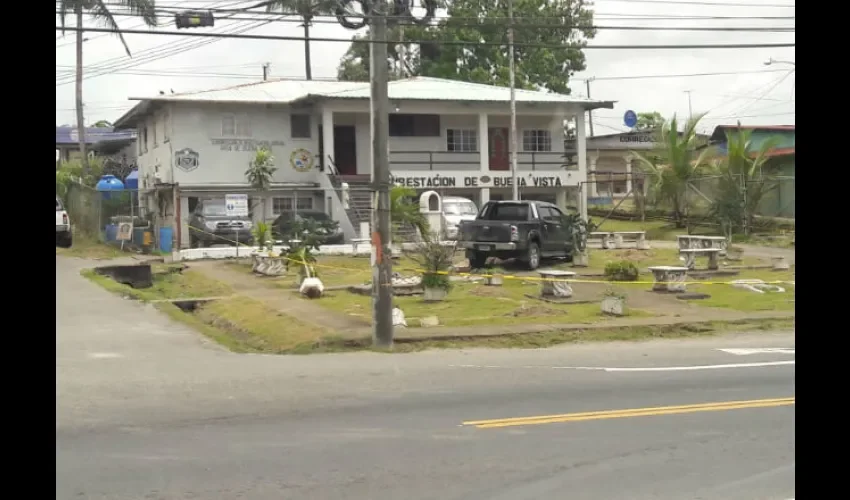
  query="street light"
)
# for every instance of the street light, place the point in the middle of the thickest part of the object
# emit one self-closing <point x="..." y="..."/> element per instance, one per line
<point x="774" y="61"/>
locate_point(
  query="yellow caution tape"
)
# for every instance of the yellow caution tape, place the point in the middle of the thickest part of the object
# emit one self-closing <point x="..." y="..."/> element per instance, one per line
<point x="506" y="276"/>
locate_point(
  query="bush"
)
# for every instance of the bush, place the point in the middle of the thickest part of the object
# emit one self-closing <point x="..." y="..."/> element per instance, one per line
<point x="623" y="270"/>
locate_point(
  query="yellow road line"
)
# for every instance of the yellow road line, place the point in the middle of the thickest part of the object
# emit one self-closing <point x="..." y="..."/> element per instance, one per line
<point x="634" y="412"/>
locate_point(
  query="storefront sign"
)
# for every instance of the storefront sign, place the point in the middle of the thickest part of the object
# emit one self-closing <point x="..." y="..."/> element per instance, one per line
<point x="244" y="144"/>
<point x="454" y="181"/>
<point x="636" y="138"/>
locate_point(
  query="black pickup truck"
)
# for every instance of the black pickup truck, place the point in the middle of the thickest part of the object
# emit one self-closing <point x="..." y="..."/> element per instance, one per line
<point x="524" y="230"/>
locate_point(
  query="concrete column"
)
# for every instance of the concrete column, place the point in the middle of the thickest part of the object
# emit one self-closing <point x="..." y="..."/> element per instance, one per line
<point x="561" y="198"/>
<point x="328" y="136"/>
<point x="628" y="160"/>
<point x="484" y="153"/>
<point x="581" y="153"/>
<point x="592" y="176"/>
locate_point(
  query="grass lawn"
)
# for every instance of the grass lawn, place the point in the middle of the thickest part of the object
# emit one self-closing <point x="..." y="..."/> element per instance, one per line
<point x="655" y="229"/>
<point x="85" y="248"/>
<point x="477" y="304"/>
<point x="166" y="285"/>
<point x="729" y="297"/>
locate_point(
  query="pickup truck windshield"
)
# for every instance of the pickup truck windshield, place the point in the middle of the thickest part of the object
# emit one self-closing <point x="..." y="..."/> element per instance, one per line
<point x="215" y="209"/>
<point x="507" y="211"/>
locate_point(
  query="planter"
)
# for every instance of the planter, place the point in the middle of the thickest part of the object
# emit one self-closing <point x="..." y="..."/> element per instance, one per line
<point x="581" y="259"/>
<point x="435" y="294"/>
<point x="614" y="306"/>
<point x="494" y="280"/>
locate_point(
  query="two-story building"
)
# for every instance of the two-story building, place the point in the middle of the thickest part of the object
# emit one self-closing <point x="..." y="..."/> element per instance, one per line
<point x="118" y="145"/>
<point x="445" y="135"/>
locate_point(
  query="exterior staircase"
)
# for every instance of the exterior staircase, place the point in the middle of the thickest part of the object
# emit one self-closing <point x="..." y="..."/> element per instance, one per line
<point x="359" y="198"/>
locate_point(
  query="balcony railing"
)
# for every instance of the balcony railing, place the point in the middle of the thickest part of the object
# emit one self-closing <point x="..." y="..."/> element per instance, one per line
<point x="450" y="160"/>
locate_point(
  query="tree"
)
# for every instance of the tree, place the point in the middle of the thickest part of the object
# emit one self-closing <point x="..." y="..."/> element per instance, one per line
<point x="453" y="48"/>
<point x="649" y="121"/>
<point x="671" y="168"/>
<point x="306" y="10"/>
<point x="404" y="210"/>
<point x="744" y="178"/>
<point x="260" y="171"/>
<point x="101" y="11"/>
<point x="102" y="124"/>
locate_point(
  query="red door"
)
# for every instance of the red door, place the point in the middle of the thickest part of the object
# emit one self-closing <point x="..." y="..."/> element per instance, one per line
<point x="498" y="139"/>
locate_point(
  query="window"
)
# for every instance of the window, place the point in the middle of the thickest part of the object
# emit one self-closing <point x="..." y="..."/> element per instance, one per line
<point x="228" y="125"/>
<point x="507" y="212"/>
<point x="414" y="125"/>
<point x="145" y="139"/>
<point x="461" y="140"/>
<point x="281" y="205"/>
<point x="550" y="214"/>
<point x="536" y="140"/>
<point x="155" y="142"/>
<point x="299" y="126"/>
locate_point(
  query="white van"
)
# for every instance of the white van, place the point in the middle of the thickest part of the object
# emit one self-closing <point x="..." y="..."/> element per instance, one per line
<point x="455" y="210"/>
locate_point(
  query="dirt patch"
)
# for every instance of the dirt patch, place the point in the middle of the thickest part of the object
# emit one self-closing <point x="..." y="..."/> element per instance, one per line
<point x="534" y="310"/>
<point x="488" y="291"/>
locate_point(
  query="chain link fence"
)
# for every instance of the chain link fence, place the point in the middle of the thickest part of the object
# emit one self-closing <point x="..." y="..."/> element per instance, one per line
<point x="95" y="215"/>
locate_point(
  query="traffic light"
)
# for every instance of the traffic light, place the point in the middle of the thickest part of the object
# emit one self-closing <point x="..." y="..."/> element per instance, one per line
<point x="194" y="19"/>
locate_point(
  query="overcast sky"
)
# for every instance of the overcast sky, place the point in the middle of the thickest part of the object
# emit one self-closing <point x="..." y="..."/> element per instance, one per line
<point x="755" y="94"/>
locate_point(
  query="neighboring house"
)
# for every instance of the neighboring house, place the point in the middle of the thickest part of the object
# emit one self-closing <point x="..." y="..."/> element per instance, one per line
<point x="612" y="169"/>
<point x="104" y="141"/>
<point x="445" y="135"/>
<point x="782" y="159"/>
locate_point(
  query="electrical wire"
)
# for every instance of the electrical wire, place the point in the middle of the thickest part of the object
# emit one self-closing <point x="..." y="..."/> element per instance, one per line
<point x="461" y="43"/>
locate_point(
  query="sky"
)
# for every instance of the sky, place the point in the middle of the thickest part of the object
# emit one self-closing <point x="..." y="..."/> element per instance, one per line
<point x="641" y="80"/>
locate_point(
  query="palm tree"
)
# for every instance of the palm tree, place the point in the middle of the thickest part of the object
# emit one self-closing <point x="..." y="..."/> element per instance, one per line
<point x="744" y="178"/>
<point x="101" y="11"/>
<point x="671" y="169"/>
<point x="306" y="10"/>
<point x="260" y="172"/>
<point x="404" y="211"/>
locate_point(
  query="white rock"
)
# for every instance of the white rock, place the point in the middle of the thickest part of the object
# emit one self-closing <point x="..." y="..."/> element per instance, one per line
<point x="398" y="317"/>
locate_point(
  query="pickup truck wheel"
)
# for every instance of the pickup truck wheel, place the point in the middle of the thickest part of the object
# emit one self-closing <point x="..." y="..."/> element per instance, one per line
<point x="477" y="260"/>
<point x="64" y="240"/>
<point x="532" y="256"/>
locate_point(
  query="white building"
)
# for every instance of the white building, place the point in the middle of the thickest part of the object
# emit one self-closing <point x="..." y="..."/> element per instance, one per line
<point x="447" y="135"/>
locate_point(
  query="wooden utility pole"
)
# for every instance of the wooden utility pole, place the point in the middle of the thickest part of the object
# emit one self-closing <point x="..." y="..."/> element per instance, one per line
<point x="589" y="112"/>
<point x="512" y="70"/>
<point x="382" y="292"/>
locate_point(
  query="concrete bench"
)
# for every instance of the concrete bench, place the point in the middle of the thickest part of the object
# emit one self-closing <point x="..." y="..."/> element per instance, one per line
<point x="689" y="255"/>
<point x="355" y="242"/>
<point x="267" y="266"/>
<point x="606" y="239"/>
<point x="669" y="278"/>
<point x="693" y="241"/>
<point x="638" y="237"/>
<point x="555" y="283"/>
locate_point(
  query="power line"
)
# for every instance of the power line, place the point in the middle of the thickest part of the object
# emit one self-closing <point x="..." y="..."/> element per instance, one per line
<point x="718" y="4"/>
<point x="681" y="75"/>
<point x="497" y="44"/>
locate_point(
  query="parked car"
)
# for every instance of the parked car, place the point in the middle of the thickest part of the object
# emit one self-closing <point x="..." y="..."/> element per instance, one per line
<point x="64" y="238"/>
<point x="456" y="210"/>
<point x="328" y="230"/>
<point x="212" y="225"/>
<point x="523" y="230"/>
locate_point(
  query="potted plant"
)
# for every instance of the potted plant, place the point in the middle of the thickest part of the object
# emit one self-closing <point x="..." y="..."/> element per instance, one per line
<point x="303" y="238"/>
<point x="262" y="236"/>
<point x="613" y="302"/>
<point x="435" y="261"/>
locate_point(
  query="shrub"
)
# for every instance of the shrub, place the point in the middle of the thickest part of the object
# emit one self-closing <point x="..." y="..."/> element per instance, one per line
<point x="623" y="270"/>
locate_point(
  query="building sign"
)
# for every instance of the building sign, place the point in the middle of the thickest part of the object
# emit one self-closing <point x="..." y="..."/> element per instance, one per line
<point x="244" y="144"/>
<point x="236" y="205"/>
<point x="636" y="138"/>
<point x="187" y="159"/>
<point x="474" y="181"/>
<point x="301" y="160"/>
<point x="125" y="231"/>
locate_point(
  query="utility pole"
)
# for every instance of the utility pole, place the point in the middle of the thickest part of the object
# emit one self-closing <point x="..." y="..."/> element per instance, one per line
<point x="512" y="70"/>
<point x="589" y="112"/>
<point x="382" y="292"/>
<point x="690" y="109"/>
<point x="266" y="71"/>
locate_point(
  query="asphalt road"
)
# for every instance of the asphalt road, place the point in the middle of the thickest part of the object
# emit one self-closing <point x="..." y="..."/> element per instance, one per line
<point x="148" y="409"/>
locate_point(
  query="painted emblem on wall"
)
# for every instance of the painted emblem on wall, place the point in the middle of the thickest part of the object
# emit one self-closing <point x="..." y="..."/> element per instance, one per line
<point x="187" y="159"/>
<point x="301" y="160"/>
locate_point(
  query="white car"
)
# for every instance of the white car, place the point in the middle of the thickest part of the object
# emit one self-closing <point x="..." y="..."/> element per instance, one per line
<point x="456" y="210"/>
<point x="63" y="226"/>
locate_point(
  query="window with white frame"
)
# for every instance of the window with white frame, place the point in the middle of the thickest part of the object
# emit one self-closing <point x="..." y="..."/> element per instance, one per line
<point x="299" y="126"/>
<point x="461" y="140"/>
<point x="285" y="204"/>
<point x="228" y="125"/>
<point x="233" y="125"/>
<point x="536" y="140"/>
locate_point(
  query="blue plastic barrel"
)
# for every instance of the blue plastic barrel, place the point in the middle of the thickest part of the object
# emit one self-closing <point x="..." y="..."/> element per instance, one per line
<point x="111" y="232"/>
<point x="138" y="235"/>
<point x="165" y="236"/>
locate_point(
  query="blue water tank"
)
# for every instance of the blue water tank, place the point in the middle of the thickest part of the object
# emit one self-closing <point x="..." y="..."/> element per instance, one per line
<point x="165" y="236"/>
<point x="132" y="180"/>
<point x="111" y="232"/>
<point x="109" y="183"/>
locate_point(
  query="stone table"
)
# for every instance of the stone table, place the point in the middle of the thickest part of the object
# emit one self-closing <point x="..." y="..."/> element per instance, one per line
<point x="556" y="283"/>
<point x="669" y="278"/>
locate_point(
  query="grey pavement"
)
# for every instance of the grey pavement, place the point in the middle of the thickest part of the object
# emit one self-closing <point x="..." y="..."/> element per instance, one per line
<point x="149" y="409"/>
